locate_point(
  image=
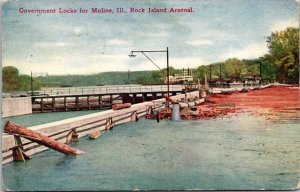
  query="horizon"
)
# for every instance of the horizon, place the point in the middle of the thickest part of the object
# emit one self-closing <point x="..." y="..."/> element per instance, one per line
<point x="91" y="43"/>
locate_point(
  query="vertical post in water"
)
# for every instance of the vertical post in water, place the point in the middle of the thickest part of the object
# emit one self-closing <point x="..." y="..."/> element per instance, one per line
<point x="53" y="104"/>
<point x="100" y="101"/>
<point x="88" y="102"/>
<point x="65" y="103"/>
<point x="77" y="102"/>
<point x="42" y="105"/>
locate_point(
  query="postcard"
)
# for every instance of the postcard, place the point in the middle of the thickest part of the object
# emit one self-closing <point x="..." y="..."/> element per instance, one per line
<point x="127" y="95"/>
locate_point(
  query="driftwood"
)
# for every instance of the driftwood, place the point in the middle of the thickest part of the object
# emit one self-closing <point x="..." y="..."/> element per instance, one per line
<point x="95" y="134"/>
<point x="17" y="130"/>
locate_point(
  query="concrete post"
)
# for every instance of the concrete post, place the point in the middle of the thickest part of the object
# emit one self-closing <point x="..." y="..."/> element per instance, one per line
<point x="176" y="112"/>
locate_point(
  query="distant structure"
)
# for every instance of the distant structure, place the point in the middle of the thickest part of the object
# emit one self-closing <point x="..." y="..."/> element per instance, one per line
<point x="185" y="77"/>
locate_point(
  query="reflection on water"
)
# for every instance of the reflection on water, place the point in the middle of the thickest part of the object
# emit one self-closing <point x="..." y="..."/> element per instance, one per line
<point x="242" y="151"/>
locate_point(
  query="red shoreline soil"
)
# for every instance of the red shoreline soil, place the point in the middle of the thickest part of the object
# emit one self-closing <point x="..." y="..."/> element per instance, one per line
<point x="275" y="100"/>
<point x="273" y="103"/>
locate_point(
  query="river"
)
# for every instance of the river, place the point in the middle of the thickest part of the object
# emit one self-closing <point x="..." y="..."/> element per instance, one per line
<point x="240" y="151"/>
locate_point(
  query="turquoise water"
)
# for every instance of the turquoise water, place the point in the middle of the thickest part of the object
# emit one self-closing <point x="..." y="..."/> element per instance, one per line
<point x="237" y="152"/>
<point x="41" y="118"/>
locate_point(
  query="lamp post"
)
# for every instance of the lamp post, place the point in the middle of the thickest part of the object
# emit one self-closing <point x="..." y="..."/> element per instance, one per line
<point x="159" y="51"/>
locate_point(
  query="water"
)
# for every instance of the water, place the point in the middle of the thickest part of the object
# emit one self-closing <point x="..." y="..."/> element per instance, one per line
<point x="236" y="152"/>
<point x="41" y="118"/>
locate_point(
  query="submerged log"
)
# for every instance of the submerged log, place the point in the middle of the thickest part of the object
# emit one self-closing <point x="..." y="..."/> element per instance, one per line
<point x="15" y="129"/>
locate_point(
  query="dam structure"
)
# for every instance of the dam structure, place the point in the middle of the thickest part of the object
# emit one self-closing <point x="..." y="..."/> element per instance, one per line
<point x="84" y="125"/>
<point x="97" y="97"/>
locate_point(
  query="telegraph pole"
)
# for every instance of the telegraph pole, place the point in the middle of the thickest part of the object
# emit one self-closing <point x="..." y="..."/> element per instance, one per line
<point x="31" y="83"/>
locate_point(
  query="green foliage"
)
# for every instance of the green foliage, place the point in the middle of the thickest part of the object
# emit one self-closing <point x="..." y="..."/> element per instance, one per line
<point x="107" y="78"/>
<point x="269" y="70"/>
<point x="235" y="68"/>
<point x="200" y="73"/>
<point x="12" y="81"/>
<point x="230" y="69"/>
<point x="284" y="54"/>
<point x="281" y="64"/>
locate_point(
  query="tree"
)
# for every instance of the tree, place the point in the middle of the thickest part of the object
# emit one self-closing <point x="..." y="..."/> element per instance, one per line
<point x="200" y="73"/>
<point x="10" y="79"/>
<point x="235" y="68"/>
<point x="284" y="53"/>
<point x="269" y="69"/>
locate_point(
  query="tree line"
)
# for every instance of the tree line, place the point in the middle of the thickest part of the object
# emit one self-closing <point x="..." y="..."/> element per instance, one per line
<point x="280" y="64"/>
<point x="13" y="81"/>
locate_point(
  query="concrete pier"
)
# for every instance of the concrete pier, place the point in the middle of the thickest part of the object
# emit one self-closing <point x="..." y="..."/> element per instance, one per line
<point x="16" y="106"/>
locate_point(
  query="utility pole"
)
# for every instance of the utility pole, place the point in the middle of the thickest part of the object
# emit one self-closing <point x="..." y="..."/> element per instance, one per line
<point x="260" y="72"/>
<point x="31" y="83"/>
<point x="220" y="71"/>
<point x="209" y="72"/>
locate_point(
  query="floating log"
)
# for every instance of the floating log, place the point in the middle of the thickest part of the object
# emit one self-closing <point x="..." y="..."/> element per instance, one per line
<point x="121" y="106"/>
<point x="18" y="130"/>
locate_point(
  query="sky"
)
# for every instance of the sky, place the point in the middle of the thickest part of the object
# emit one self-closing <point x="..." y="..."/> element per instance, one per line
<point x="89" y="43"/>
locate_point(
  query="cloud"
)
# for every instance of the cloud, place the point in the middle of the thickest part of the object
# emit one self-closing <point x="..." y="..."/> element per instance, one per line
<point x="187" y="62"/>
<point x="77" y="64"/>
<point x="71" y="64"/>
<point x="178" y="63"/>
<point x="112" y="42"/>
<point x="200" y="42"/>
<point x="78" y="30"/>
<point x="281" y="25"/>
<point x="158" y="34"/>
<point x="51" y="44"/>
<point x="250" y="51"/>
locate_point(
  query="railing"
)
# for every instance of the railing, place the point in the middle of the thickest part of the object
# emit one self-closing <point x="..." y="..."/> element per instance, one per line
<point x="109" y="89"/>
